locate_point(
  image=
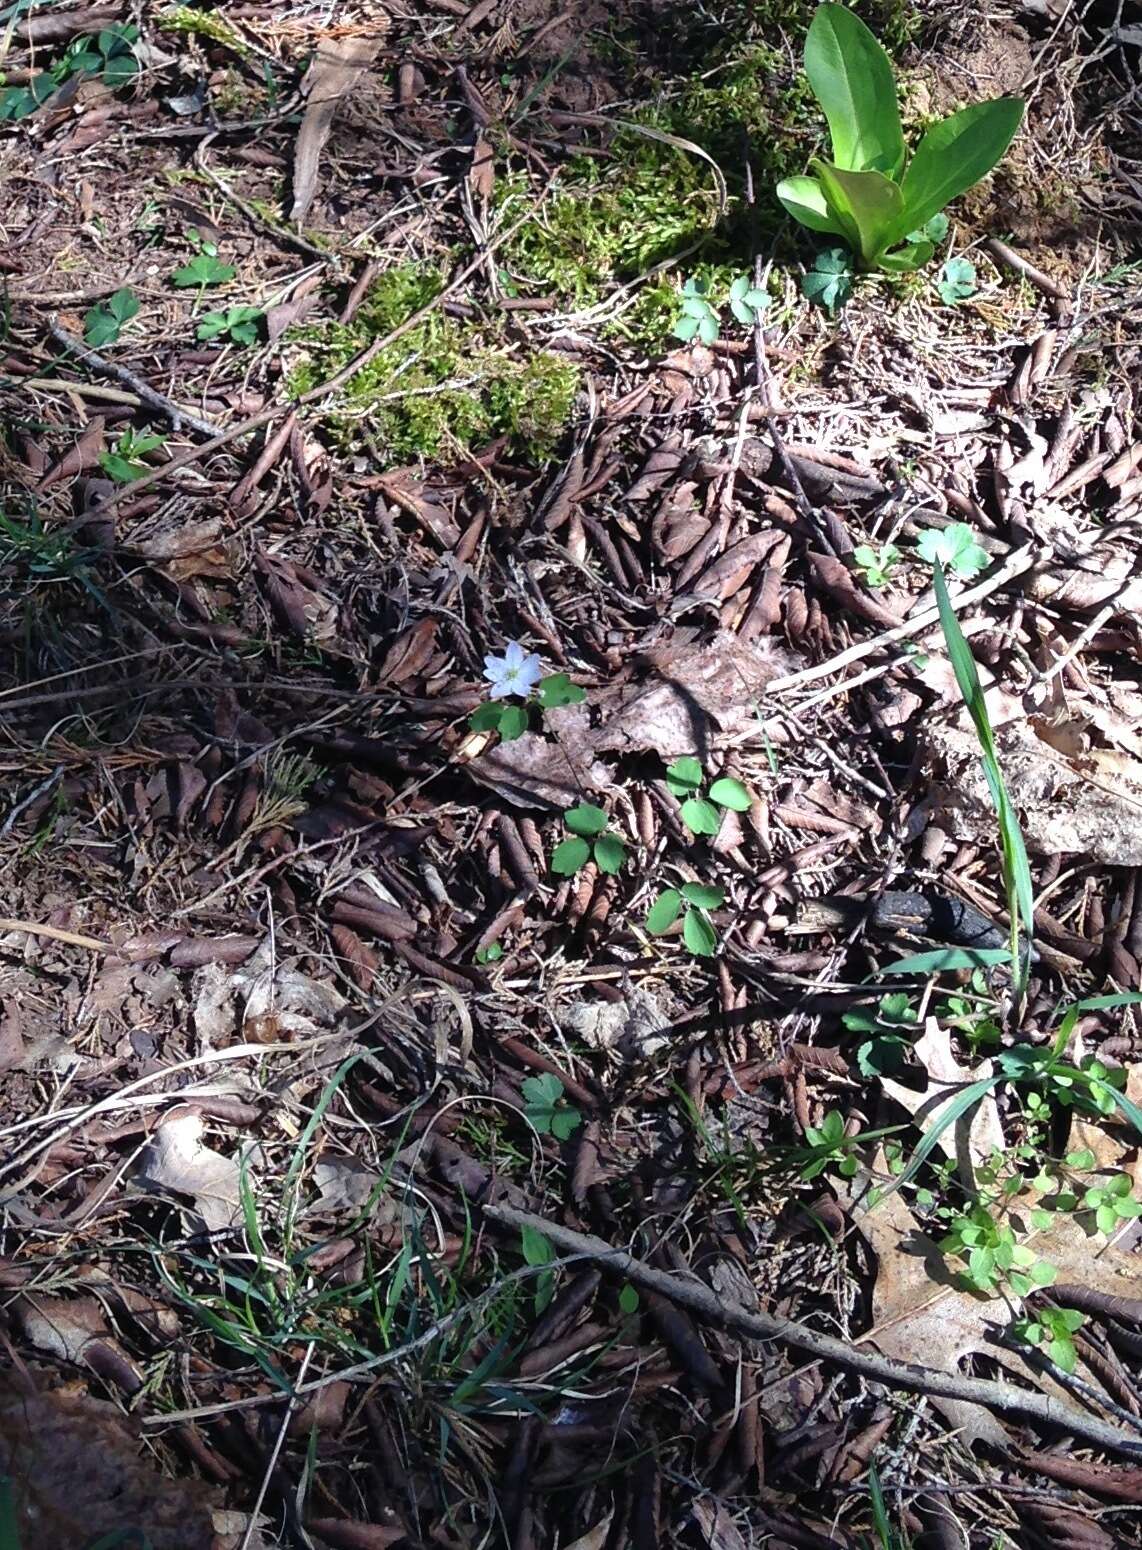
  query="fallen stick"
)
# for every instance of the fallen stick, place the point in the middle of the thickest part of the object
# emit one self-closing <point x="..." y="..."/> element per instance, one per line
<point x="704" y="1301"/>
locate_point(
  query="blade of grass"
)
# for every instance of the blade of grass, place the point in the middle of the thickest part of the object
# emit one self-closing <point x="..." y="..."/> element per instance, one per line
<point x="942" y="959"/>
<point x="955" y="1111"/>
<point x="1016" y="869"/>
<point x="1091" y="1004"/>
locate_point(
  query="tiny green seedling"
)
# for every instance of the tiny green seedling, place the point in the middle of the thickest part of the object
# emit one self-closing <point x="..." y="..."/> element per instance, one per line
<point x="828" y="1146"/>
<point x="957" y="281"/>
<point x="123" y="463"/>
<point x="700" y="814"/>
<point x="876" y="565"/>
<point x="992" y="1254"/>
<point x="490" y="954"/>
<point x="697" y="929"/>
<point x="205" y="268"/>
<point x="871" y="194"/>
<point x="545" y="1108"/>
<point x="747" y="301"/>
<point x="1052" y="1331"/>
<point x="589" y="835"/>
<point x="104" y="322"/>
<point x="698" y="319"/>
<point x="830" y="281"/>
<point x="1112" y="1203"/>
<point x="537" y="1251"/>
<point x="237" y="324"/>
<point x="892" y="1028"/>
<point x="955" y="547"/>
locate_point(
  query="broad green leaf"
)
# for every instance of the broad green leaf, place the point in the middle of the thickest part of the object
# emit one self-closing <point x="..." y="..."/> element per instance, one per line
<point x="585" y="819"/>
<point x="628" y="1300"/>
<point x="956" y="547"/>
<point x="568" y="857"/>
<point x="513" y="722"/>
<point x="536" y="1248"/>
<point x="558" y="690"/>
<point x="703" y="895"/>
<point x="914" y="255"/>
<point x="804" y="198"/>
<point x="610" y="853"/>
<point x="852" y="79"/>
<point x="699" y="935"/>
<point x="957" y="281"/>
<point x="730" y="793"/>
<point x="663" y="912"/>
<point x="486" y="718"/>
<point x="942" y="959"/>
<point x="683" y="777"/>
<point x="954" y="155"/>
<point x="868" y="204"/>
<point x="700" y="816"/>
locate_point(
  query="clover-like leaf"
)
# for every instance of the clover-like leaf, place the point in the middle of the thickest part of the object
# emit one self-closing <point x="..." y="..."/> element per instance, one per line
<point x="513" y="722"/>
<point x="704" y="895"/>
<point x="830" y="281"/>
<point x="102" y="324"/>
<point x="203" y="269"/>
<point x="954" y="547"/>
<point x="957" y="281"/>
<point x="558" y="690"/>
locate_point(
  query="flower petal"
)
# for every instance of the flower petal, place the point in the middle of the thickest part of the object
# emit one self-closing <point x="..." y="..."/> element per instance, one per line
<point x="514" y="654"/>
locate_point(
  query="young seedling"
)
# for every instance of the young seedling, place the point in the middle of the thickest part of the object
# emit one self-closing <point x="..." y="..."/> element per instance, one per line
<point x="747" y="301"/>
<point x="992" y="1255"/>
<point x="957" y="281"/>
<point x="205" y="268"/>
<point x="104" y="322"/>
<point x="519" y="674"/>
<point x="697" y="929"/>
<point x="955" y="548"/>
<point x="892" y="1028"/>
<point x="870" y="193"/>
<point x="830" y="281"/>
<point x="545" y="1108"/>
<point x="1052" y="1331"/>
<point x="589" y="834"/>
<point x="698" y="319"/>
<point x="700" y="814"/>
<point x="876" y="565"/>
<point x="238" y="324"/>
<point x="123" y="463"/>
<point x="110" y="54"/>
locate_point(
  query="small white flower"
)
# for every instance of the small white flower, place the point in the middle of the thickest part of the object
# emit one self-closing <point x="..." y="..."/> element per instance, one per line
<point x="516" y="672"/>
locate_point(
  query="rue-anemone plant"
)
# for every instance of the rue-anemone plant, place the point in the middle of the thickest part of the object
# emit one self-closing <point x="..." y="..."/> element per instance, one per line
<point x="870" y="193"/>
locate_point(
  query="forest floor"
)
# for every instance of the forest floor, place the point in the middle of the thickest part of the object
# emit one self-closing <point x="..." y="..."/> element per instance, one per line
<point x="429" y="1124"/>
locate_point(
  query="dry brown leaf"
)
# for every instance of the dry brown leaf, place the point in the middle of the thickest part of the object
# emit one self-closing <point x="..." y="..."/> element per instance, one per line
<point x="177" y="1162"/>
<point x="973" y="1138"/>
<point x="78" y="1476"/>
<point x="335" y="71"/>
<point x="716" y="1525"/>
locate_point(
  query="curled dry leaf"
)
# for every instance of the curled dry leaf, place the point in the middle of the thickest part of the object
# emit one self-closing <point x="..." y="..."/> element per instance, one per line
<point x="975" y="1136"/>
<point x="336" y="69"/>
<point x="177" y="1162"/>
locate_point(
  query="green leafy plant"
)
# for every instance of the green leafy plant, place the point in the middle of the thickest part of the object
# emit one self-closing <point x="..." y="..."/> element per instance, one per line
<point x="124" y="462"/>
<point x="1052" y="1331"/>
<point x="830" y="1147"/>
<point x="109" y="54"/>
<point x="1016" y="869"/>
<point x="876" y="565"/>
<point x="830" y="281"/>
<point x="957" y="281"/>
<point x="490" y="954"/>
<point x="205" y="268"/>
<point x="698" y="319"/>
<point x="992" y="1254"/>
<point x="545" y="1108"/>
<point x="870" y="193"/>
<point x="684" y="779"/>
<point x="537" y="1250"/>
<point x="696" y="899"/>
<point x="512" y="721"/>
<point x="1112" y="1202"/>
<point x="891" y="1027"/>
<point x="104" y="322"/>
<point x="238" y="324"/>
<point x="589" y="835"/>
<point x="955" y="547"/>
<point x="747" y="301"/>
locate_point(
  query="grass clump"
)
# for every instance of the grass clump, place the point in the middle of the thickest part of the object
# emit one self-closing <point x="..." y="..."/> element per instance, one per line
<point x="443" y="388"/>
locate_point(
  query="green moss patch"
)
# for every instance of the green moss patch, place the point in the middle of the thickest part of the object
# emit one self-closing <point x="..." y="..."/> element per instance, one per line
<point x="443" y="388"/>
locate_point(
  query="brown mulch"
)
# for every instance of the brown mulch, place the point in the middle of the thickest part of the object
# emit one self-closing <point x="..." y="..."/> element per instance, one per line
<point x="282" y="955"/>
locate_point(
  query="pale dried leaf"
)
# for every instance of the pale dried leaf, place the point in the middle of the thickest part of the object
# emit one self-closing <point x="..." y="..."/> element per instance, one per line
<point x="976" y="1135"/>
<point x="716" y="1525"/>
<point x="177" y="1162"/>
<point x="337" y="68"/>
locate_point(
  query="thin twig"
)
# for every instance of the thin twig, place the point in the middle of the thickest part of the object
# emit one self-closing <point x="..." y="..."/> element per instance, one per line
<point x="57" y="934"/>
<point x="704" y="1301"/>
<point x="159" y="401"/>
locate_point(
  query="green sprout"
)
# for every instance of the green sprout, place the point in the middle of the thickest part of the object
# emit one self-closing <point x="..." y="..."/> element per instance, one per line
<point x="700" y="814"/>
<point x="589" y="835"/>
